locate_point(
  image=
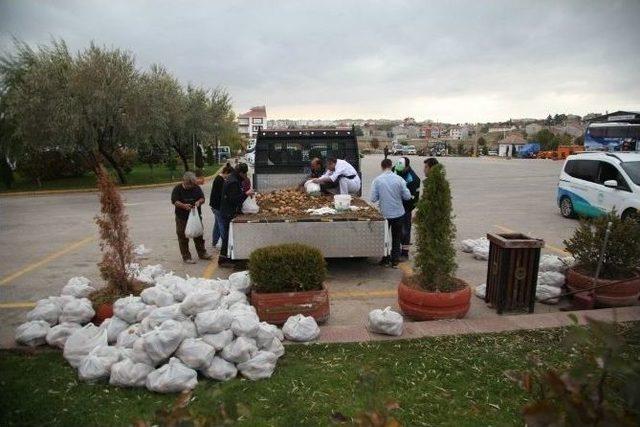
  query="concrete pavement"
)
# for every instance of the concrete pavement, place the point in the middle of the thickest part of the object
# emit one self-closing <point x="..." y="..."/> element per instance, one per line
<point x="46" y="240"/>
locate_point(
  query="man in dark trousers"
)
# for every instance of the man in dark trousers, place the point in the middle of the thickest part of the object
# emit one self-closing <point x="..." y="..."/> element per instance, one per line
<point x="186" y="196"/>
<point x="233" y="196"/>
<point x="403" y="169"/>
<point x="386" y="151"/>
<point x="214" y="202"/>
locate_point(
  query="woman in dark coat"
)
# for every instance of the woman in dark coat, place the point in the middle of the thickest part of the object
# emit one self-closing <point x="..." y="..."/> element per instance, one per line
<point x="214" y="202"/>
<point x="403" y="168"/>
<point x="233" y="196"/>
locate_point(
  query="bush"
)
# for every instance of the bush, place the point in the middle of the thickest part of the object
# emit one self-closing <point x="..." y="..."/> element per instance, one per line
<point x="622" y="256"/>
<point x="287" y="268"/>
<point x="48" y="164"/>
<point x="435" y="259"/>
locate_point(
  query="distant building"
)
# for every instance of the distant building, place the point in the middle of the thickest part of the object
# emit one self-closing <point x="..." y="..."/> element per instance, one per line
<point x="573" y="130"/>
<point x="533" y="128"/>
<point x="402" y="132"/>
<point x="618" y="116"/>
<point x="252" y="122"/>
<point x="459" y="133"/>
<point x="510" y="146"/>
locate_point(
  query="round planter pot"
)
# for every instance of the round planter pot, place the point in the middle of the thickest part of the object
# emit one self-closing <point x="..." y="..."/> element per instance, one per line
<point x="103" y="312"/>
<point x="618" y="294"/>
<point x="423" y="305"/>
<point x="276" y="308"/>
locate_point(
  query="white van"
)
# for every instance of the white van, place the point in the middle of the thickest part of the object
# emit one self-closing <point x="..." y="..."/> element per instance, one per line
<point x="592" y="184"/>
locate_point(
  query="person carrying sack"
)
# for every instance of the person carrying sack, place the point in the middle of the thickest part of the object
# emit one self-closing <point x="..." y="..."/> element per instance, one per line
<point x="233" y="196"/>
<point x="403" y="169"/>
<point x="186" y="196"/>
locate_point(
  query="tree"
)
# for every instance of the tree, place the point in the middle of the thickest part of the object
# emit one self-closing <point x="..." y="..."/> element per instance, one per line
<point x="579" y="140"/>
<point x="375" y="143"/>
<point x="547" y="140"/>
<point x="210" y="155"/>
<point x="199" y="158"/>
<point x="435" y="259"/>
<point x="460" y="149"/>
<point x="358" y="131"/>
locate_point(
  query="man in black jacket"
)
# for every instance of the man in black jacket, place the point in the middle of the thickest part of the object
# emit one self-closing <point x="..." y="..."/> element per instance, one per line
<point x="185" y="197"/>
<point x="230" y="205"/>
<point x="403" y="169"/>
<point x="214" y="202"/>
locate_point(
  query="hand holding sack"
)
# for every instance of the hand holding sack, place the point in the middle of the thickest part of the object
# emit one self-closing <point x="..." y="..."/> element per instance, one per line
<point x="194" y="226"/>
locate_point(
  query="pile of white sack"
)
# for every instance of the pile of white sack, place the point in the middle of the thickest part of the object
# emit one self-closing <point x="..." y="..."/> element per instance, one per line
<point x="176" y="329"/>
<point x="551" y="278"/>
<point x="478" y="247"/>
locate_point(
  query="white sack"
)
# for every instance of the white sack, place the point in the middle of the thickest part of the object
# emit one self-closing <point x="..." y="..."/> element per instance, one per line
<point x="127" y="308"/>
<point x="250" y="206"/>
<point x="157" y="296"/>
<point x="82" y="341"/>
<point x="128" y="373"/>
<point x="468" y="245"/>
<point x="551" y="263"/>
<point x="266" y="333"/>
<point x="240" y="281"/>
<point x="234" y="297"/>
<point x="33" y="333"/>
<point x="543" y="292"/>
<point x="139" y="355"/>
<point x="145" y="312"/>
<point x="220" y="370"/>
<point x="162" y="314"/>
<point x="260" y="366"/>
<point x="301" y="328"/>
<point x="57" y="335"/>
<point x="239" y="350"/>
<point x="189" y="329"/>
<point x="194" y="225"/>
<point x="213" y="321"/>
<point x="129" y="336"/>
<point x="275" y="347"/>
<point x="97" y="364"/>
<point x="385" y="321"/>
<point x="62" y="300"/>
<point x="199" y="301"/>
<point x="77" y="311"/>
<point x="551" y="278"/>
<point x="312" y="188"/>
<point x="245" y="324"/>
<point x="141" y="251"/>
<point x="195" y="353"/>
<point x="163" y="341"/>
<point x="174" y="377"/>
<point x="115" y="326"/>
<point x="481" y="290"/>
<point x="240" y="307"/>
<point x="174" y="284"/>
<point x="219" y="340"/>
<point x="78" y="287"/>
<point x="47" y="310"/>
<point x="481" y="253"/>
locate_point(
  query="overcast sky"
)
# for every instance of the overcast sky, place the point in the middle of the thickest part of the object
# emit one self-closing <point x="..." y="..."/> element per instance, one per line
<point x="455" y="61"/>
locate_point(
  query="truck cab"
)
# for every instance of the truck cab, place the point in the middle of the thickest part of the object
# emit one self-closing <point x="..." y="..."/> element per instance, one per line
<point x="282" y="157"/>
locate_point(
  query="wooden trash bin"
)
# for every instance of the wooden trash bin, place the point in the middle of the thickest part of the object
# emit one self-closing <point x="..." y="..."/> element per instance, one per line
<point x="512" y="273"/>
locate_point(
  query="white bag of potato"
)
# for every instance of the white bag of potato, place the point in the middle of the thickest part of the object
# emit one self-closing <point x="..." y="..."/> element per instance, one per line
<point x="174" y="284"/>
<point x="219" y="340"/>
<point x="312" y="188"/>
<point x="157" y="296"/>
<point x="301" y="328"/>
<point x="139" y="355"/>
<point x="174" y="377"/>
<point x="163" y="341"/>
<point x="481" y="290"/>
<point x="260" y="366"/>
<point x="468" y="245"/>
<point x="32" y="333"/>
<point x="543" y="292"/>
<point x="250" y="206"/>
<point x="240" y="281"/>
<point x="46" y="309"/>
<point x="194" y="226"/>
<point x="195" y="353"/>
<point x="551" y="278"/>
<point x="78" y="287"/>
<point x="97" y="364"/>
<point x="213" y="321"/>
<point x="386" y="322"/>
<point x="239" y="350"/>
<point x="115" y="326"/>
<point x="58" y="335"/>
<point x="189" y="329"/>
<point x="77" y="311"/>
<point x="129" y="336"/>
<point x="199" y="301"/>
<point x="275" y="347"/>
<point x="127" y="308"/>
<point x="234" y="297"/>
<point x="245" y="324"/>
<point x="162" y="314"/>
<point x="128" y="373"/>
<point x="266" y="333"/>
<point x="81" y="342"/>
<point x="220" y="370"/>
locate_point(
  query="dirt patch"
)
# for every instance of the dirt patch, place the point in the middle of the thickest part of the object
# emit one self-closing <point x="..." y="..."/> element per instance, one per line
<point x="415" y="281"/>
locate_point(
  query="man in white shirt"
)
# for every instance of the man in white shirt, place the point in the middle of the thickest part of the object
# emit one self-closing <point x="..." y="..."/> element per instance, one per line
<point x="342" y="175"/>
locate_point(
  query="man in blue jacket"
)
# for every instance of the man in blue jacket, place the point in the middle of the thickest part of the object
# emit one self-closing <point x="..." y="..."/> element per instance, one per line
<point x="389" y="191"/>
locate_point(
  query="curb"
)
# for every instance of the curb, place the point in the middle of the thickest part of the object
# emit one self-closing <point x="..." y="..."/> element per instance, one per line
<point x="95" y="190"/>
<point x="524" y="322"/>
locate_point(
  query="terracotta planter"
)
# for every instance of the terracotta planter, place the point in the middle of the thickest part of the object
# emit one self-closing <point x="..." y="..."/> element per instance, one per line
<point x="276" y="308"/>
<point x="103" y="312"/>
<point x="619" y="293"/>
<point x="423" y="305"/>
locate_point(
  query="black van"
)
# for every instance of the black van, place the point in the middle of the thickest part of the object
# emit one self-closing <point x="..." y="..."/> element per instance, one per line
<point x="282" y="156"/>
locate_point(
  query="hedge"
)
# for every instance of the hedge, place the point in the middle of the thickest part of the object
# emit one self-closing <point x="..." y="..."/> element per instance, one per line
<point x="287" y="268"/>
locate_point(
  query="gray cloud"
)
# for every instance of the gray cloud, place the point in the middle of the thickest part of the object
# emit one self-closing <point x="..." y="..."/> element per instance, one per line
<point x="455" y="61"/>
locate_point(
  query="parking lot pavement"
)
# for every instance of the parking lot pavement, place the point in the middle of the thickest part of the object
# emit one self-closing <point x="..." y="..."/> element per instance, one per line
<point x="46" y="240"/>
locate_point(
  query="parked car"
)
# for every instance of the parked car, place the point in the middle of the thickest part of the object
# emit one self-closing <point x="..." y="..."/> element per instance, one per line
<point x="397" y="149"/>
<point x="592" y="184"/>
<point x="250" y="156"/>
<point x="409" y="150"/>
<point x="224" y="153"/>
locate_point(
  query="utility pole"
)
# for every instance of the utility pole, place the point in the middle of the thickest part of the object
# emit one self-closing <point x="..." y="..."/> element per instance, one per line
<point x="193" y="141"/>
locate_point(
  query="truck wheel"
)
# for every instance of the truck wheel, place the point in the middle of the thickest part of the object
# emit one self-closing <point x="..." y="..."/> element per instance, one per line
<point x="631" y="213"/>
<point x="566" y="208"/>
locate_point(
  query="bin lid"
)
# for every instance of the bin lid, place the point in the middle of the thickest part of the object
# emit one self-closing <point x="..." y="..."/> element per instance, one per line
<point x="514" y="240"/>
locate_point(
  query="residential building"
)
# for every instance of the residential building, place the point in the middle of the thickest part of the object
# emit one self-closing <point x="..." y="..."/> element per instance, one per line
<point x="573" y="130"/>
<point x="459" y="133"/>
<point x="252" y="122"/>
<point x="511" y="145"/>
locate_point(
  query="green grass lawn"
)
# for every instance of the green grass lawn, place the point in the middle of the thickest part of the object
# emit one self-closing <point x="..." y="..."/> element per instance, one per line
<point x="456" y="381"/>
<point x="141" y="174"/>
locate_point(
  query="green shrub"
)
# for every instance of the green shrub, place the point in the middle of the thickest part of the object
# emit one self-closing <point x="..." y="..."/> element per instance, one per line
<point x="622" y="257"/>
<point x="287" y="268"/>
<point x="436" y="256"/>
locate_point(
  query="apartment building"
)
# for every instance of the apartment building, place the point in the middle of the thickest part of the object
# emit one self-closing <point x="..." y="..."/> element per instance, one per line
<point x="251" y="122"/>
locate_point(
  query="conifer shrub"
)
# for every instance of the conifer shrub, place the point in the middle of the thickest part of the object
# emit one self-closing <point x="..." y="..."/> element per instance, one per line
<point x="435" y="259"/>
<point x="289" y="267"/>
